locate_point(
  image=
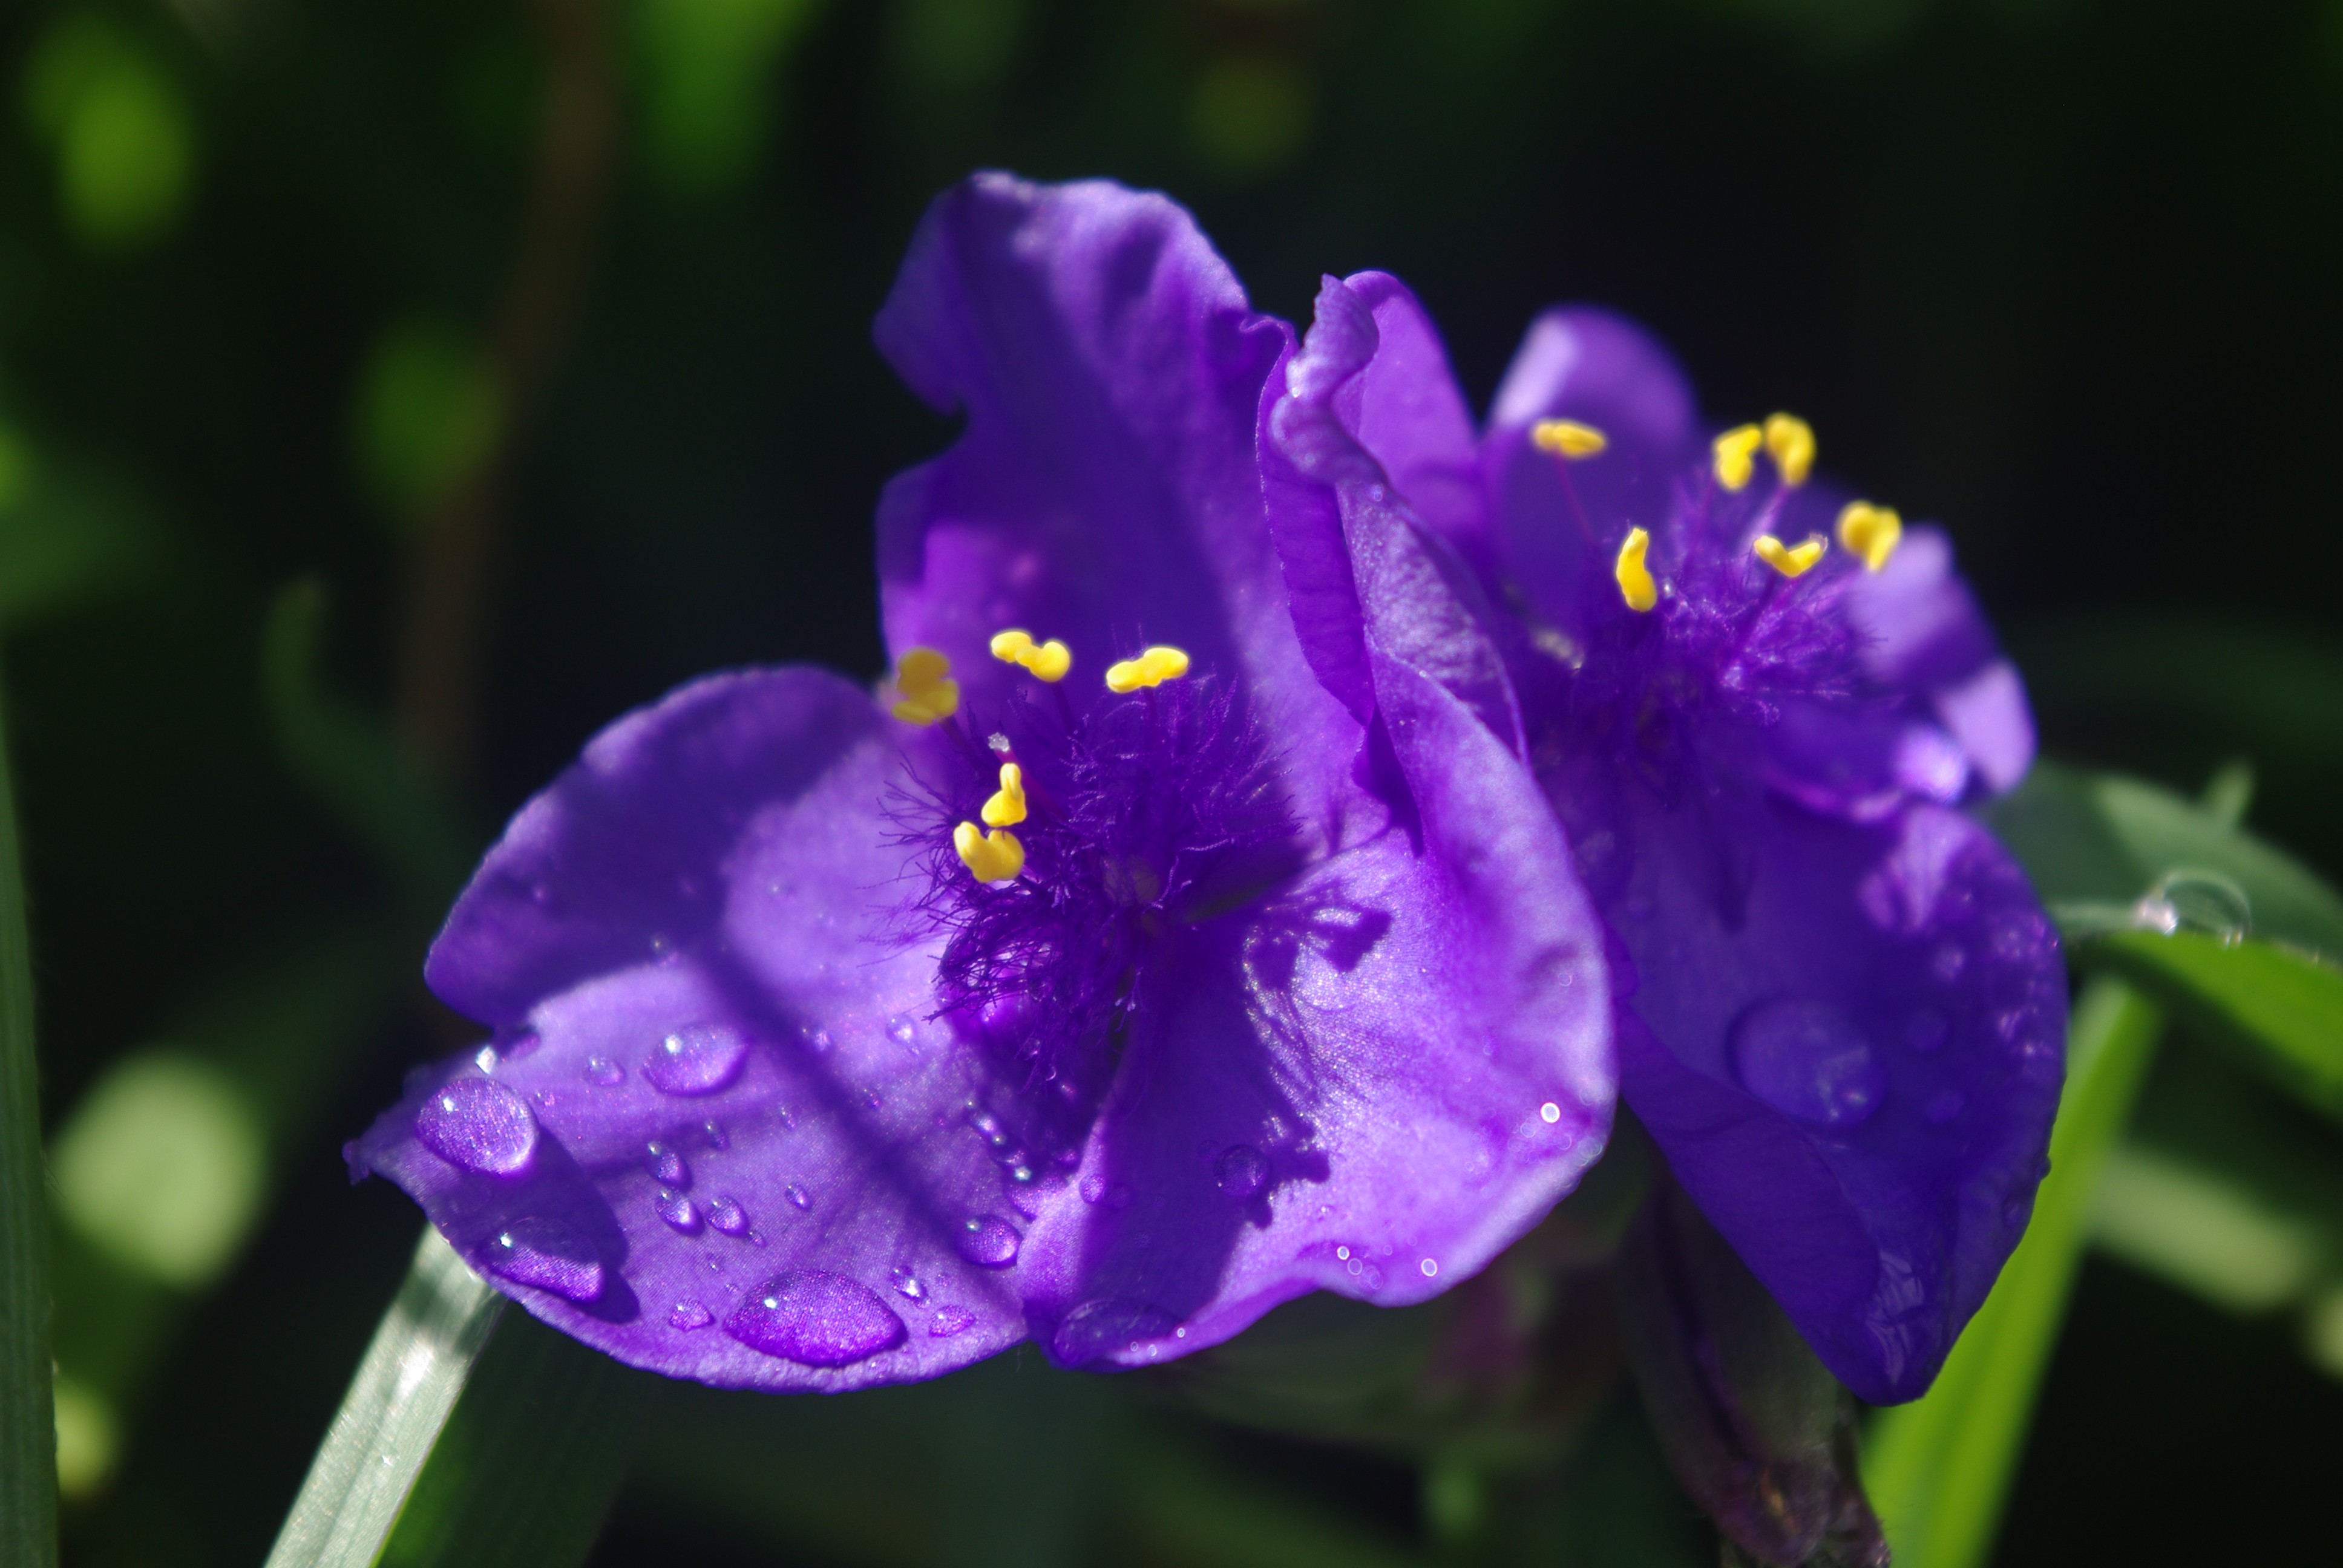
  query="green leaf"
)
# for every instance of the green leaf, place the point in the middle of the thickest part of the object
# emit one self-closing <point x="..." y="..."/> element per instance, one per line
<point x="2283" y="1011"/>
<point x="407" y="1384"/>
<point x="28" y="1430"/>
<point x="65" y="537"/>
<point x="2098" y="842"/>
<point x="1939" y="1468"/>
<point x="531" y="1460"/>
<point x="2202" y="1230"/>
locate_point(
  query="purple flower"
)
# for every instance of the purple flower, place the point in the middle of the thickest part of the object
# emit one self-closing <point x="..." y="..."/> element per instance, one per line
<point x="1755" y="704"/>
<point x="1108" y="979"/>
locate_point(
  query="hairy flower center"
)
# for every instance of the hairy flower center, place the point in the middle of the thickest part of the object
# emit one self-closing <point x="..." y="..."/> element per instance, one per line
<point x="1066" y="848"/>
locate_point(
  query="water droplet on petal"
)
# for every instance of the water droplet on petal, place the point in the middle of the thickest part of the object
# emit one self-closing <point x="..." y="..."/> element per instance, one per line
<point x="478" y="1124"/>
<point x="666" y="1165"/>
<point x="1807" y="1061"/>
<point x="951" y="1320"/>
<point x="1944" y="1105"/>
<point x="548" y="1254"/>
<point x="799" y="1199"/>
<point x="907" y="1284"/>
<point x="680" y="1211"/>
<point x="816" y="1319"/>
<point x="715" y="1136"/>
<point x="485" y="1058"/>
<point x="1550" y="1113"/>
<point x="688" y="1315"/>
<point x="1430" y="1266"/>
<point x="817" y="1040"/>
<point x="1240" y="1171"/>
<point x="602" y="1071"/>
<point x="901" y="1031"/>
<point x="987" y="1239"/>
<point x="699" y="1059"/>
<point x="1107" y="1327"/>
<point x="727" y="1216"/>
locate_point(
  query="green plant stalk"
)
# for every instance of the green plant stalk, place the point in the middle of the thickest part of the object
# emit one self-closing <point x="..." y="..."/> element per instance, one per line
<point x="28" y="1422"/>
<point x="408" y="1384"/>
<point x="1939" y="1469"/>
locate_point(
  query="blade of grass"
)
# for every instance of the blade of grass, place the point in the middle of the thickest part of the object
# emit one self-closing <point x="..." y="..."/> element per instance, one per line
<point x="1939" y="1469"/>
<point x="2282" y="1012"/>
<point x="531" y="1460"/>
<point x="405" y="1386"/>
<point x="28" y="1428"/>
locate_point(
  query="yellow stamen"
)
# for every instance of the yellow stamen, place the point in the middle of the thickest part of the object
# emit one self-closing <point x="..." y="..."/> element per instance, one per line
<point x="1636" y="584"/>
<point x="1044" y="661"/>
<point x="1153" y="668"/>
<point x="1567" y="438"/>
<point x="1736" y="452"/>
<point x="1008" y="803"/>
<point x="1871" y="532"/>
<point x="1791" y="560"/>
<point x="994" y="856"/>
<point x="1790" y="442"/>
<point x="925" y="692"/>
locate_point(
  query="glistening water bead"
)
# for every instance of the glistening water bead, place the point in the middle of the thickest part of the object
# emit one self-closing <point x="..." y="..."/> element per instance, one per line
<point x="548" y="1254"/>
<point x="1807" y="1061"/>
<point x="479" y="1124"/>
<point x="699" y="1059"/>
<point x="816" y="1319"/>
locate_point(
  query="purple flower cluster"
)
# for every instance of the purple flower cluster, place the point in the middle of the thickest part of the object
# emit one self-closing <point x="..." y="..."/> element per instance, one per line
<point x="1296" y="816"/>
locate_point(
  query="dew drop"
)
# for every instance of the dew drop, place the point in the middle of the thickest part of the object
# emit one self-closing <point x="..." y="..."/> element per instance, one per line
<point x="951" y="1320"/>
<point x="799" y="1199"/>
<point x="1106" y="1326"/>
<point x="480" y="1125"/>
<point x="485" y="1061"/>
<point x="906" y="1283"/>
<point x="1949" y="961"/>
<point x="987" y="1239"/>
<point x="1943" y="1106"/>
<point x="816" y="1319"/>
<point x="1240" y="1171"/>
<point x="1808" y="1062"/>
<point x="817" y="1040"/>
<point x="688" y="1315"/>
<point x="548" y="1254"/>
<point x="727" y="1216"/>
<point x="1550" y="1113"/>
<point x="716" y="1135"/>
<point x="1342" y="1253"/>
<point x="1430" y="1267"/>
<point x="901" y="1031"/>
<point x="666" y="1164"/>
<point x="680" y="1211"/>
<point x="699" y="1059"/>
<point x="602" y="1071"/>
<point x="2191" y="902"/>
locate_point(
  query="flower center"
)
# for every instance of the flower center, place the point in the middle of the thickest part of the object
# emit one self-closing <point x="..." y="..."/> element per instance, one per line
<point x="1067" y="846"/>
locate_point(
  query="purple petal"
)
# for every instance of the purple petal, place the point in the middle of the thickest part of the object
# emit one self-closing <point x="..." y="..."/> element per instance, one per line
<point x="1927" y="635"/>
<point x="1104" y="491"/>
<point x="1366" y="577"/>
<point x="1601" y="370"/>
<point x="1370" y="1086"/>
<point x="1411" y="414"/>
<point x="1852" y="1056"/>
<point x="772" y="1053"/>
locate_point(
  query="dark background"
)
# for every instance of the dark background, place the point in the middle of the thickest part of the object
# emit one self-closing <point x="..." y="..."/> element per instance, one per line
<point x="2060" y="273"/>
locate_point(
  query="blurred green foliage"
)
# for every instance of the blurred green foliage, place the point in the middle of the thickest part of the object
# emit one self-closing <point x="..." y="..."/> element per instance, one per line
<point x="2056" y="271"/>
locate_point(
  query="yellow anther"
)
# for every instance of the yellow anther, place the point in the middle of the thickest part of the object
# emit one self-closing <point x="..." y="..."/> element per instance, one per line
<point x="1871" y="532"/>
<point x="994" y="856"/>
<point x="1791" y="560"/>
<point x="1790" y="442"/>
<point x="1008" y="803"/>
<point x="1153" y="668"/>
<point x="1736" y="452"/>
<point x="1044" y="661"/>
<point x="924" y="690"/>
<point x="1636" y="584"/>
<point x="1567" y="438"/>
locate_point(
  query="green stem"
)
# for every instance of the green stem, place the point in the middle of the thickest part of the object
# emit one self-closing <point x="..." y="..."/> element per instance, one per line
<point x="405" y="1388"/>
<point x="28" y="1424"/>
<point x="1940" y="1468"/>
